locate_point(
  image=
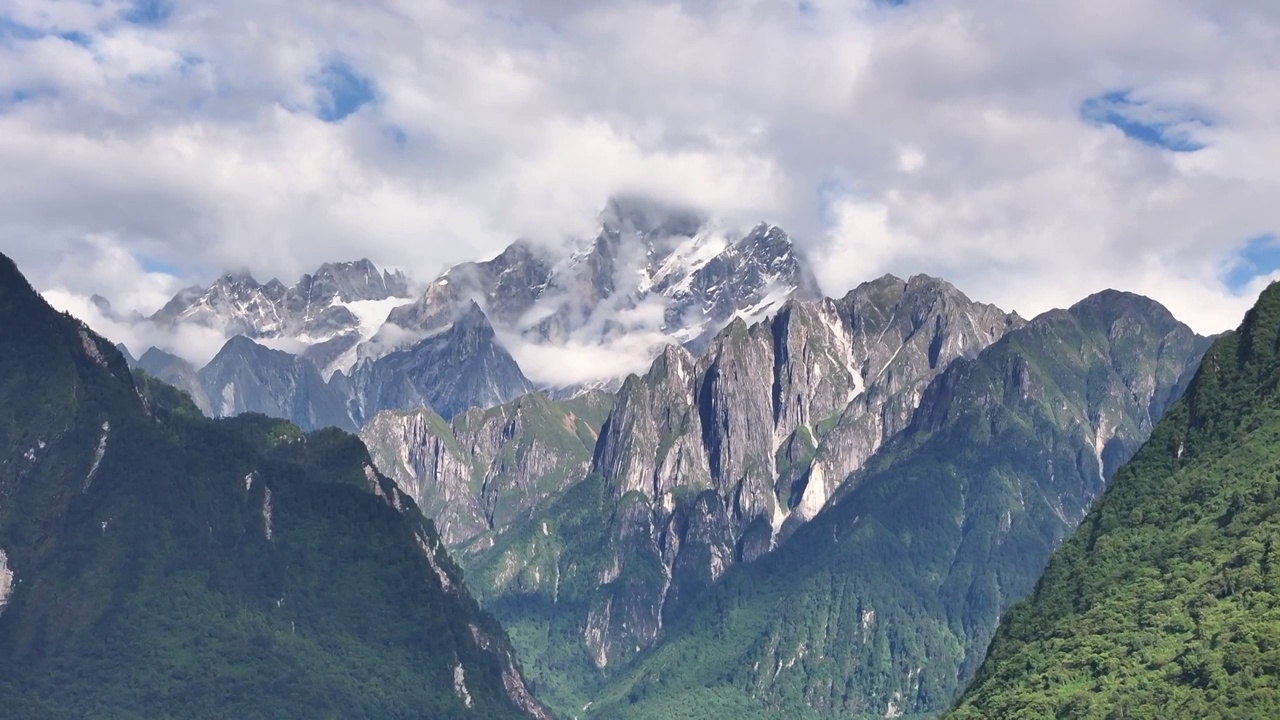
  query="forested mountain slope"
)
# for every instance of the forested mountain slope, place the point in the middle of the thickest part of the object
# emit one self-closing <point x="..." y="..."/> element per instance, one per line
<point x="1164" y="603"/>
<point x="154" y="563"/>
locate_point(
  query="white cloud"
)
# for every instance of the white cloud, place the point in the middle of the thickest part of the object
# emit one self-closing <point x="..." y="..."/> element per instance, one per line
<point x="939" y="136"/>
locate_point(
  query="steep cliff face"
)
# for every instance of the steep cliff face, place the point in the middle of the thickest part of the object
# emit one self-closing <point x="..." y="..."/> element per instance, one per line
<point x="884" y="602"/>
<point x="460" y="368"/>
<point x="247" y="377"/>
<point x="712" y="461"/>
<point x="178" y="373"/>
<point x="162" y="564"/>
<point x="490" y="467"/>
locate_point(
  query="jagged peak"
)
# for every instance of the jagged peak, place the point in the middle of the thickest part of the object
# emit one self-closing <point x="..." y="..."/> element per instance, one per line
<point x="672" y="356"/>
<point x="886" y="282"/>
<point x="472" y="319"/>
<point x="921" y="282"/>
<point x="240" y="277"/>
<point x="244" y="346"/>
<point x="361" y="265"/>
<point x="155" y="355"/>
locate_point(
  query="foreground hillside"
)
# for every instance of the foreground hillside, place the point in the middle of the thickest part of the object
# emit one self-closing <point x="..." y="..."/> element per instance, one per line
<point x="154" y="563"/>
<point x="1164" y="602"/>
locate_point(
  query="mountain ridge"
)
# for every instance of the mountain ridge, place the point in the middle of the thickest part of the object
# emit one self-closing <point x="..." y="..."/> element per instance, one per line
<point x="1160" y="601"/>
<point x="159" y="563"/>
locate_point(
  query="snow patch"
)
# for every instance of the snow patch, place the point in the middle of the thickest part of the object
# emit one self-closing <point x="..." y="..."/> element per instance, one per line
<point x="248" y="481"/>
<point x="768" y="305"/>
<point x="372" y="315"/>
<point x="832" y="322"/>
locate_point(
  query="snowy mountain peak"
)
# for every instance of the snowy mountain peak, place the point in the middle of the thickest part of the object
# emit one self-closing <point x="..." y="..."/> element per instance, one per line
<point x="652" y="275"/>
<point x="324" y="315"/>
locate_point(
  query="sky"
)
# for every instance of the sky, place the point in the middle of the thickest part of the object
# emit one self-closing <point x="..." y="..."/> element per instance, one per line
<point x="1030" y="153"/>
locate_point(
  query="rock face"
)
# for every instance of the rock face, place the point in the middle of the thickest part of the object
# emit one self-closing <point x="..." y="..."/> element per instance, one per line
<point x="247" y="377"/>
<point x="200" y="540"/>
<point x="178" y="373"/>
<point x="460" y="368"/>
<point x="757" y="434"/>
<point x="1161" y="602"/>
<point x="884" y="602"/>
<point x="707" y="462"/>
<point x="488" y="468"/>
<point x="327" y="313"/>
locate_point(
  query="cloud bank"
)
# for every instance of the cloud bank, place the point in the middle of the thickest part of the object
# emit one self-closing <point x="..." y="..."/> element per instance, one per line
<point x="1031" y="153"/>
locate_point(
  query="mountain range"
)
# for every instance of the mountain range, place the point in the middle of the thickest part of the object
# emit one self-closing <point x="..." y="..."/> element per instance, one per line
<point x="756" y="501"/>
<point x="652" y="276"/>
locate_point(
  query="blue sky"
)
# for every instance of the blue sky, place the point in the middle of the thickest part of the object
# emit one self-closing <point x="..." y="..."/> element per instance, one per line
<point x="1259" y="257"/>
<point x="343" y="91"/>
<point x="1168" y="128"/>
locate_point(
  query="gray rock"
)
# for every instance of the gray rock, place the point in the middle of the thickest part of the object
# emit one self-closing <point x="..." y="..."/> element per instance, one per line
<point x="460" y="368"/>
<point x="247" y="377"/>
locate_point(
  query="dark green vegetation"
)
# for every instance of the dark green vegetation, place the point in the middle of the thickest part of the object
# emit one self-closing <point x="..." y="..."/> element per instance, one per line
<point x="166" y="565"/>
<point x="540" y="597"/>
<point x="1166" y="601"/>
<point x="884" y="602"/>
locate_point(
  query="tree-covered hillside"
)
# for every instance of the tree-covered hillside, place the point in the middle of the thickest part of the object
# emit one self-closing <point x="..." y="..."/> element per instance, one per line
<point x="154" y="563"/>
<point x="1166" y="601"/>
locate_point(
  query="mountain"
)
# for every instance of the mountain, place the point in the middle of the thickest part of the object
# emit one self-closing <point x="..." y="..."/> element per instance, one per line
<point x="989" y="441"/>
<point x="461" y="367"/>
<point x="1162" y="603"/>
<point x="705" y="463"/>
<point x="883" y="603"/>
<point x="326" y="313"/>
<point x="247" y="377"/>
<point x="652" y="271"/>
<point x="178" y="373"/>
<point x="155" y="563"/>
<point x="488" y="467"/>
<point x="579" y="317"/>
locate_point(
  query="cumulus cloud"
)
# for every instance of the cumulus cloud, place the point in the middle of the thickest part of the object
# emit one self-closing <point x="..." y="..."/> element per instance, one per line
<point x="1031" y="153"/>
